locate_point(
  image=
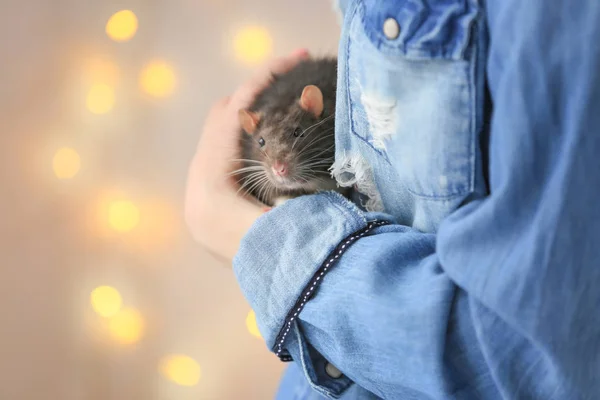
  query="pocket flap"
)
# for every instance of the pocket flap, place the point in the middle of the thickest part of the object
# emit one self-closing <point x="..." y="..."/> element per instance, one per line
<point x="421" y="29"/>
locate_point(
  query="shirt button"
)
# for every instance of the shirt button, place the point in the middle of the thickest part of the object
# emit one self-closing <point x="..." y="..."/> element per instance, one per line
<point x="332" y="371"/>
<point x="391" y="29"/>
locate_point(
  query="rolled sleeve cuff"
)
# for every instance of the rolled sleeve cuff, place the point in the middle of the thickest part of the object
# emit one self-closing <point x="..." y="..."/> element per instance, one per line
<point x="287" y="251"/>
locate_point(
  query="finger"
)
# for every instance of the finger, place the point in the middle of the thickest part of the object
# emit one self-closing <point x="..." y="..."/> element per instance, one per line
<point x="219" y="104"/>
<point x="244" y="96"/>
<point x="223" y="101"/>
<point x="284" y="64"/>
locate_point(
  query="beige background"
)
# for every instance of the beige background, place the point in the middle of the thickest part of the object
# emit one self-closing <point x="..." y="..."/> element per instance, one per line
<point x="56" y="247"/>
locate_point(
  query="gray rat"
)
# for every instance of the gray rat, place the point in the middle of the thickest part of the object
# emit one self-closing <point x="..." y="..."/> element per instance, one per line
<point x="287" y="139"/>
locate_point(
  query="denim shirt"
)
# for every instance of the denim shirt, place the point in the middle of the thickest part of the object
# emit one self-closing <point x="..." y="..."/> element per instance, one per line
<point x="467" y="269"/>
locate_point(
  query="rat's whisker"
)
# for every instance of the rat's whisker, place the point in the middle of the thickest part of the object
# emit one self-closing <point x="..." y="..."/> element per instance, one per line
<point x="323" y="173"/>
<point x="273" y="192"/>
<point x="246" y="160"/>
<point x="250" y="182"/>
<point x="316" y="158"/>
<point x="311" y="146"/>
<point x="321" y="136"/>
<point x="267" y="192"/>
<point x="304" y="133"/>
<point x="255" y="177"/>
<point x="308" y="131"/>
<point x="319" y="179"/>
<point x="324" y="136"/>
<point x="315" y="155"/>
<point x="315" y="164"/>
<point x="331" y="146"/>
<point x="312" y="171"/>
<point x="320" y="152"/>
<point x="321" y="157"/>
<point x="259" y="189"/>
<point x="320" y="122"/>
<point x="244" y="170"/>
<point x="255" y="173"/>
<point x="264" y="188"/>
<point x="256" y="188"/>
<point x="261" y="181"/>
<point x="239" y="180"/>
<point x="245" y="187"/>
<point x="313" y="130"/>
<point x="314" y="178"/>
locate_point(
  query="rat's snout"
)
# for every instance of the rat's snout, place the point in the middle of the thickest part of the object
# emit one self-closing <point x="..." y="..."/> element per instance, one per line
<point x="280" y="168"/>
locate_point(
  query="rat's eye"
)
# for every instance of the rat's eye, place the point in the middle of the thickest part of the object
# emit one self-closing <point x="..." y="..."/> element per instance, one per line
<point x="261" y="142"/>
<point x="298" y="132"/>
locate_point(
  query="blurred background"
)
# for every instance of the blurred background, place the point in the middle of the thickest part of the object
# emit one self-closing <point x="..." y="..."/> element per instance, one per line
<point x="103" y="294"/>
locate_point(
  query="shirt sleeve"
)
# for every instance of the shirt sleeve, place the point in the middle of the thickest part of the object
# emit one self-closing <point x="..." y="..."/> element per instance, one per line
<point x="507" y="293"/>
<point x="339" y="271"/>
<point x="354" y="291"/>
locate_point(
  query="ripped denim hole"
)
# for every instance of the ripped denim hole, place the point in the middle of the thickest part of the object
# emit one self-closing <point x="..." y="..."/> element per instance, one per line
<point x="381" y="117"/>
<point x="353" y="170"/>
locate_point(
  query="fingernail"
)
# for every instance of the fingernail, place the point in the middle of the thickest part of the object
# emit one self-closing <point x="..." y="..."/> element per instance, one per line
<point x="300" y="52"/>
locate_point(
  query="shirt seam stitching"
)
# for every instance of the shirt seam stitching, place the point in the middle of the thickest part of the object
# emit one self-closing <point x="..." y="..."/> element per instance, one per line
<point x="309" y="289"/>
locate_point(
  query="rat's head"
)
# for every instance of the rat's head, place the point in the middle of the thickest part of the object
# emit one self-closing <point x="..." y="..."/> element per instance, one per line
<point x="295" y="146"/>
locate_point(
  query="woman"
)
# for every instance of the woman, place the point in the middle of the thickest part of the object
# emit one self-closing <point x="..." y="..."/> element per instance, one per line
<point x="473" y="128"/>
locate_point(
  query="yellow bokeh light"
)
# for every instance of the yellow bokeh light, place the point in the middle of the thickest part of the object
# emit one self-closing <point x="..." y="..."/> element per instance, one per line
<point x="158" y="79"/>
<point x="253" y="45"/>
<point x="100" y="98"/>
<point x="106" y="301"/>
<point x="66" y="163"/>
<point x="127" y="326"/>
<point x="252" y="325"/>
<point x="122" y="26"/>
<point x="123" y="215"/>
<point x="182" y="370"/>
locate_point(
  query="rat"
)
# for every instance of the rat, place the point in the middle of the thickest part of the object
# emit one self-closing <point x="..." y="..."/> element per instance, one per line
<point x="287" y="139"/>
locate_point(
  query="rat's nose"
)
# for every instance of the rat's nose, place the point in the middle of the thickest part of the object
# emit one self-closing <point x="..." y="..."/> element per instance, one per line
<point x="279" y="168"/>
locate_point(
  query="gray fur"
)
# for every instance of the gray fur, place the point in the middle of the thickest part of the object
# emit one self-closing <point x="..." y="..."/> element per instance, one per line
<point x="281" y="114"/>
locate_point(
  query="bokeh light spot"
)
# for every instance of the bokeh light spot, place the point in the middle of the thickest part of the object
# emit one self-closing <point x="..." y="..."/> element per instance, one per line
<point x="127" y="326"/>
<point x="106" y="301"/>
<point x="157" y="79"/>
<point x="122" y="26"/>
<point x="253" y="44"/>
<point x="182" y="370"/>
<point x="252" y="325"/>
<point x="123" y="215"/>
<point x="66" y="163"/>
<point x="100" y="98"/>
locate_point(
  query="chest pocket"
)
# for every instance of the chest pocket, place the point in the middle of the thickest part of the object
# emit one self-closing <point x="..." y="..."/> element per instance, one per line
<point x="411" y="86"/>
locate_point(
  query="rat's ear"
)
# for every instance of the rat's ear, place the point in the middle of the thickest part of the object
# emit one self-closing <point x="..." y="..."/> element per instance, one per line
<point x="312" y="100"/>
<point x="249" y="120"/>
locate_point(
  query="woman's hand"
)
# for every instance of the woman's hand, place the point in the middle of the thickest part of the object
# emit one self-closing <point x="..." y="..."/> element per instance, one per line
<point x="217" y="216"/>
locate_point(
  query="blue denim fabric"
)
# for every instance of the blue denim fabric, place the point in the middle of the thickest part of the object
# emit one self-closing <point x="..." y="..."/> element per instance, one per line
<point x="483" y="284"/>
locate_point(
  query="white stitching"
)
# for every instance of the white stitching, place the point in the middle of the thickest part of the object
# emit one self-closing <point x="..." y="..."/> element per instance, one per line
<point x="307" y="295"/>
